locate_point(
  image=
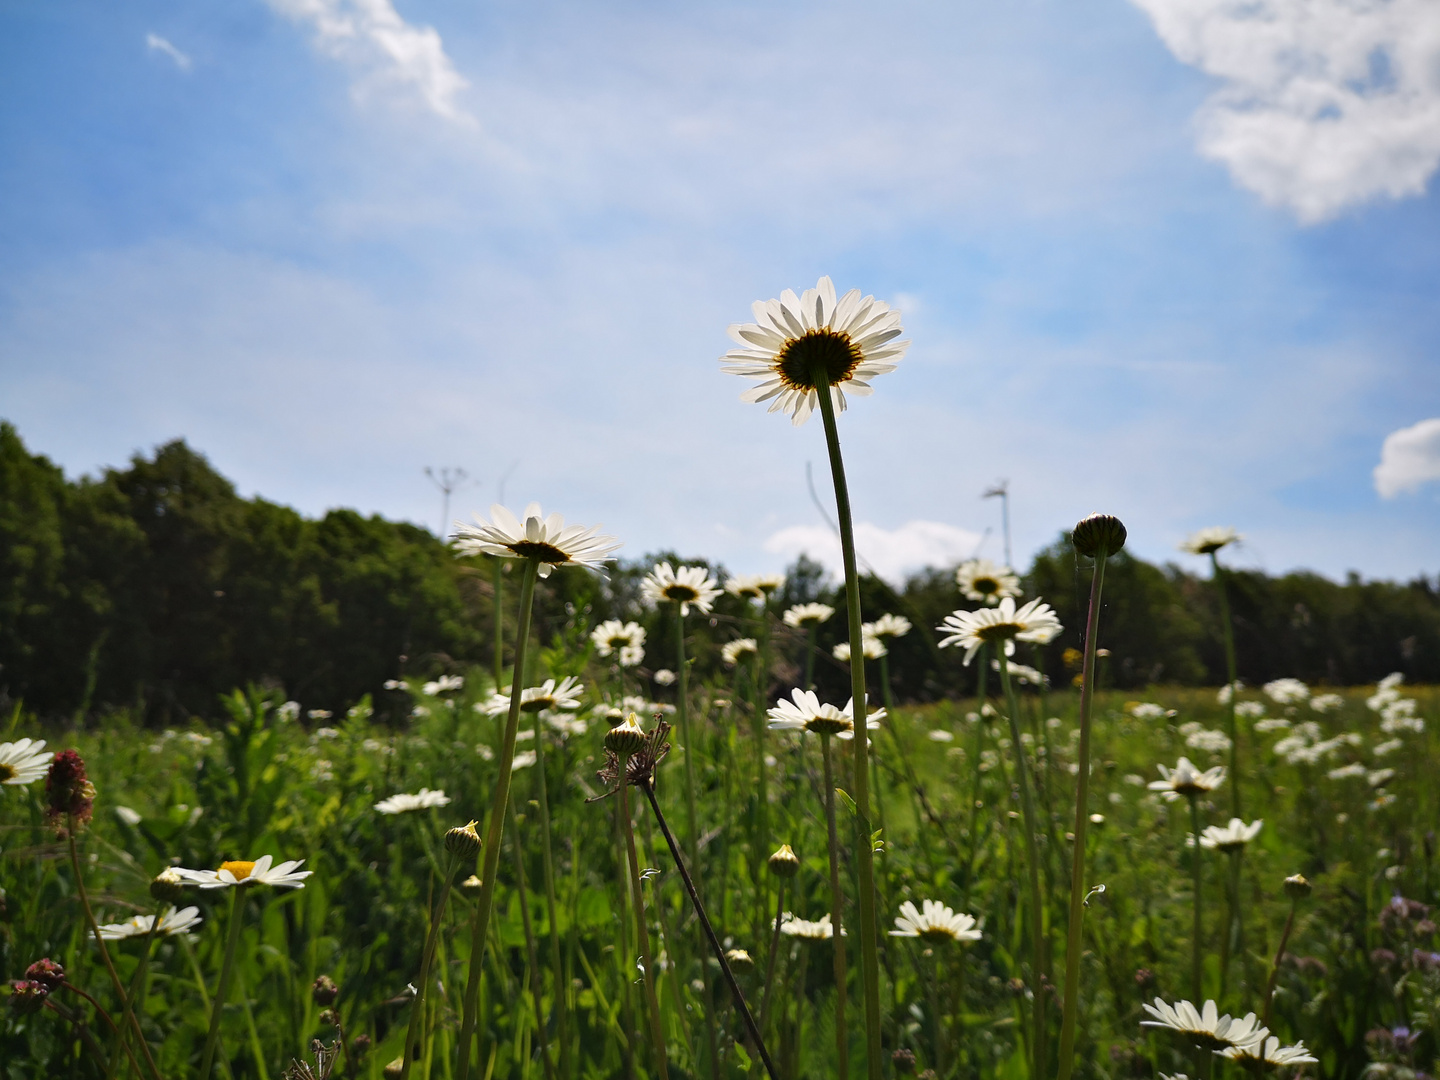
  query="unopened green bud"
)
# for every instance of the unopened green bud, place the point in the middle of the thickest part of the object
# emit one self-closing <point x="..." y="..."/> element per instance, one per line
<point x="1098" y="534"/>
<point x="168" y="886"/>
<point x="463" y="842"/>
<point x="739" y="959"/>
<point x="394" y="1070"/>
<point x="1297" y="887"/>
<point x="785" y="863"/>
<point x="625" y="739"/>
<point x="471" y="885"/>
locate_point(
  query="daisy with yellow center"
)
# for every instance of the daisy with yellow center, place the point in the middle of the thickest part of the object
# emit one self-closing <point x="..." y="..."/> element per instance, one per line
<point x="262" y="871"/>
<point x="23" y="762"/>
<point x="934" y="922"/>
<point x="1035" y="621"/>
<point x="683" y="585"/>
<point x="851" y="339"/>
<point x="548" y="540"/>
<point x="986" y="582"/>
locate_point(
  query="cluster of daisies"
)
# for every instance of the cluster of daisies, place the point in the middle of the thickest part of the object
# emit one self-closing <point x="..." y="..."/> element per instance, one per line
<point x="1244" y="1041"/>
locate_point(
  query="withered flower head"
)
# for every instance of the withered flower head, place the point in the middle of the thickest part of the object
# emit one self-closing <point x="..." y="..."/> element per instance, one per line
<point x="67" y="790"/>
<point x="640" y="766"/>
<point x="28" y="996"/>
<point x="47" y="973"/>
<point x="324" y="991"/>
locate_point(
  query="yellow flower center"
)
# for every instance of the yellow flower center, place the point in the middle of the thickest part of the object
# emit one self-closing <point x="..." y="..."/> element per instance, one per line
<point x="999" y="631"/>
<point x="7" y="772"/>
<point x="239" y="868"/>
<point x="683" y="594"/>
<point x="799" y="357"/>
<point x="531" y="549"/>
<point x="985" y="585"/>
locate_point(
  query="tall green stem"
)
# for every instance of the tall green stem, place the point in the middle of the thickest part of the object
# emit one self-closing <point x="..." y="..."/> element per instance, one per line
<point x="498" y="652"/>
<point x="1037" y="910"/>
<point x="642" y="929"/>
<point x="810" y="635"/>
<point x="1074" y="930"/>
<point x="1229" y="631"/>
<point x="495" y="830"/>
<point x="1275" y="967"/>
<point x="422" y="982"/>
<point x="557" y="968"/>
<point x="842" y="1034"/>
<point x="865" y="856"/>
<point x="682" y="708"/>
<point x="1195" y="931"/>
<point x="227" y="967"/>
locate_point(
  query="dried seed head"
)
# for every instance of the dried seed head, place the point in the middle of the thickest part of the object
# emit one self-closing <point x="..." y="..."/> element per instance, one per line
<point x="1098" y="533"/>
<point x="785" y="863"/>
<point x="360" y="1045"/>
<point x="329" y="1018"/>
<point x="471" y="885"/>
<point x="167" y="886"/>
<point x="904" y="1061"/>
<point x="28" y="996"/>
<point x="463" y="842"/>
<point x="67" y="790"/>
<point x="324" y="991"/>
<point x="1297" y="887"/>
<point x="47" y="973"/>
<point x="627" y="739"/>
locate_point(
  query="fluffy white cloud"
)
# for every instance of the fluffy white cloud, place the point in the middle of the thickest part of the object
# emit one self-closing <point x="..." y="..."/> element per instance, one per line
<point x="372" y="35"/>
<point x="891" y="553"/>
<point x="1325" y="103"/>
<point x="1409" y="459"/>
<point x="156" y="43"/>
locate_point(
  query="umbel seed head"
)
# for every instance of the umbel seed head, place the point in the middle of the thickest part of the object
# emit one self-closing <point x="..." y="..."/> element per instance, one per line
<point x="463" y="842"/>
<point x="1297" y="887"/>
<point x="625" y="739"/>
<point x="167" y="886"/>
<point x="1097" y="534"/>
<point x="785" y="863"/>
<point x="324" y="991"/>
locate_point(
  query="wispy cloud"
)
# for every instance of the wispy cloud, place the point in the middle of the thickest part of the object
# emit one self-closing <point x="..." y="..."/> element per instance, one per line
<point x="1325" y="104"/>
<point x="891" y="553"/>
<point x="156" y="43"/>
<point x="1409" y="459"/>
<point x="371" y="35"/>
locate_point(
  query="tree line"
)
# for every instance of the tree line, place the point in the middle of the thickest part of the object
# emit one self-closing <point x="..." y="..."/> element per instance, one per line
<point x="157" y="588"/>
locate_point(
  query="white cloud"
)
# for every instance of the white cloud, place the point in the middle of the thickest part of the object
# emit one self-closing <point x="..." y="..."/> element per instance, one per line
<point x="1325" y="103"/>
<point x="890" y="553"/>
<point x="1409" y="459"/>
<point x="372" y="35"/>
<point x="156" y="43"/>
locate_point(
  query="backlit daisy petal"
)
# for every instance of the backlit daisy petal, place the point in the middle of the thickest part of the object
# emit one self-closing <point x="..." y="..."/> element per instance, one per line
<point x="23" y="762"/>
<point x="1005" y="623"/>
<point x="794" y="334"/>
<point x="549" y="540"/>
<point x="684" y="585"/>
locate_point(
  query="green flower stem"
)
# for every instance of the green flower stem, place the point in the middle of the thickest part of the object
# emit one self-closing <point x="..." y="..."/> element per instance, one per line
<point x="1231" y="942"/>
<point x="89" y="1039"/>
<point x="557" y="968"/>
<point x="1195" y="931"/>
<point x="1037" y="910"/>
<point x="865" y="856"/>
<point x="1229" y="631"/>
<point x="716" y="948"/>
<point x="412" y="1036"/>
<point x="761" y="671"/>
<point x="498" y="650"/>
<point x="920" y="804"/>
<point x="761" y="842"/>
<point x="131" y="1023"/>
<point x="480" y="927"/>
<point x="842" y="1035"/>
<point x="227" y="966"/>
<point x="1074" y="930"/>
<point x="642" y="928"/>
<point x="622" y="948"/>
<point x="810" y="636"/>
<point x="532" y="956"/>
<point x="682" y="707"/>
<point x="770" y="960"/>
<point x="1275" y="967"/>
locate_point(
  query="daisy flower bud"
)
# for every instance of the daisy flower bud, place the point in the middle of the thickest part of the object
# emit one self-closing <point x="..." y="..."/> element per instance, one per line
<point x="785" y="863"/>
<point x="1098" y="533"/>
<point x="167" y="886"/>
<point x="1297" y="886"/>
<point x="463" y="842"/>
<point x="739" y="959"/>
<point x="625" y="739"/>
<point x="471" y="885"/>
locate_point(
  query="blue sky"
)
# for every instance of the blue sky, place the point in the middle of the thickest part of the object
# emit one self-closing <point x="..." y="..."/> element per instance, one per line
<point x="1150" y="263"/>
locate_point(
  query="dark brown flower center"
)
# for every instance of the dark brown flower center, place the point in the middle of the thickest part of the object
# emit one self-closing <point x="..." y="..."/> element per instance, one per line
<point x="985" y="585"/>
<point x="8" y="772"/>
<point x="998" y="631"/>
<point x="683" y="594"/>
<point x="833" y="352"/>
<point x="534" y="705"/>
<point x="828" y="725"/>
<point x="534" y="549"/>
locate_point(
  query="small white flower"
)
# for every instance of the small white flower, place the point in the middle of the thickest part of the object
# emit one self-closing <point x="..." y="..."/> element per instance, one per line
<point x="754" y="586"/>
<point x="803" y="616"/>
<point x="1251" y="710"/>
<point x="986" y="582"/>
<point x="523" y="760"/>
<point x="1323" y="703"/>
<point x="934" y="923"/>
<point x="244" y="872"/>
<point x="851" y="339"/>
<point x="1389" y="746"/>
<point x="1185" y="779"/>
<point x="804" y="712"/>
<point x="1006" y="623"/>
<point x="1274" y="723"/>
<point x="444" y="684"/>
<point x="1213" y="742"/>
<point x="684" y="585"/>
<point x="547" y="540"/>
<point x="319" y="714"/>
<point x="128" y="816"/>
<point x="324" y="733"/>
<point x="614" y="636"/>
<point x="664" y="677"/>
<point x="171" y="922"/>
<point x="548" y="695"/>
<point x="941" y="735"/>
<point x="1379" y="776"/>
<point x="1355" y="770"/>
<point x="1148" y="710"/>
<point x="1232" y="836"/>
<point x="1205" y="1026"/>
<point x="23" y="762"/>
<point x="1022" y="673"/>
<point x="421" y="800"/>
<point x="820" y="930"/>
<point x="394" y="684"/>
<point x="1225" y="693"/>
<point x="632" y="656"/>
<point x="733" y="652"/>
<point x="1286" y="691"/>
<point x="1266" y="1050"/>
<point x="871" y="648"/>
<point x="1208" y="540"/>
<point x="886" y="626"/>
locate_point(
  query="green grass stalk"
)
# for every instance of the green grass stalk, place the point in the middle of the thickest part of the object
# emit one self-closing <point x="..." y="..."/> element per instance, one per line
<point x="422" y="981"/>
<point x="1228" y="630"/>
<point x="557" y="966"/>
<point x="865" y="856"/>
<point x="642" y="929"/>
<point x="1037" y="909"/>
<point x="495" y="831"/>
<point x="1195" y="946"/>
<point x="1074" y="929"/>
<point x="842" y="1033"/>
<point x="227" y="967"/>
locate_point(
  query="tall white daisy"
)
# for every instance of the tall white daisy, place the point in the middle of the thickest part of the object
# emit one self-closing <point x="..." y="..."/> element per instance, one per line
<point x="685" y="585"/>
<point x="1268" y="1051"/>
<point x="886" y="626"/>
<point x="732" y="652"/>
<point x="550" y="694"/>
<point x="548" y="539"/>
<point x="934" y="922"/>
<point x="263" y="871"/>
<point x="420" y="800"/>
<point x="872" y="648"/>
<point x="23" y="762"/>
<point x="1185" y="779"/>
<point x="754" y="586"/>
<point x="171" y="922"/>
<point x="1209" y="540"/>
<point x="852" y="338"/>
<point x="986" y="582"/>
<point x="819" y="930"/>
<point x="805" y="712"/>
<point x="804" y="616"/>
<point x="1230" y="837"/>
<point x="613" y="636"/>
<point x="1035" y="621"/>
<point x="1205" y="1026"/>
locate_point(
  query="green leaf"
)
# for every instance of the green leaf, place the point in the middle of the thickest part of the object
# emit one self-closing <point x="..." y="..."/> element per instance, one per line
<point x="847" y="800"/>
